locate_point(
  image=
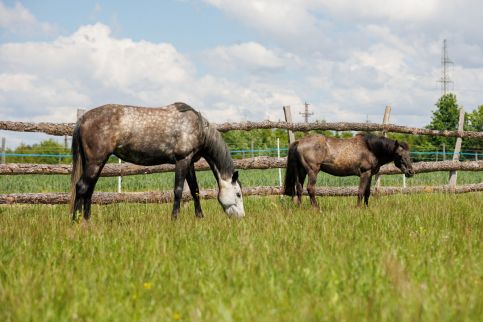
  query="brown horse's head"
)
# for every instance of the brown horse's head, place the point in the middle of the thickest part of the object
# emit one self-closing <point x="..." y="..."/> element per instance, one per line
<point x="402" y="158"/>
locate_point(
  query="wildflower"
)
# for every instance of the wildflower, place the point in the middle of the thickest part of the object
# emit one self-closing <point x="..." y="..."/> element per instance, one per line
<point x="176" y="316"/>
<point x="147" y="285"/>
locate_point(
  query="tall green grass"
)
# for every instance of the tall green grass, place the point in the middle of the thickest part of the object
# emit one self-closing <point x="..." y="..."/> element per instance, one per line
<point x="407" y="258"/>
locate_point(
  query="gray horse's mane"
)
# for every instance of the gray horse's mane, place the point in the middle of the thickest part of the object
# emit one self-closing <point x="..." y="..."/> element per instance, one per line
<point x="216" y="150"/>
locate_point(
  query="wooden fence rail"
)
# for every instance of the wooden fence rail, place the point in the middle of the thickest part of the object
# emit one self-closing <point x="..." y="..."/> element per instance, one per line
<point x="167" y="196"/>
<point x="126" y="169"/>
<point x="61" y="129"/>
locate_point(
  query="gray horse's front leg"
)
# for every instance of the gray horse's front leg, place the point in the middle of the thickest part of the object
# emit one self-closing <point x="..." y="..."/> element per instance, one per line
<point x="194" y="189"/>
<point x="179" y="176"/>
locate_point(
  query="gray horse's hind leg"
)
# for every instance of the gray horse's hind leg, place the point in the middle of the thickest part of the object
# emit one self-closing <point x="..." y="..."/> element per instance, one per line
<point x="194" y="189"/>
<point x="182" y="168"/>
<point x="85" y="187"/>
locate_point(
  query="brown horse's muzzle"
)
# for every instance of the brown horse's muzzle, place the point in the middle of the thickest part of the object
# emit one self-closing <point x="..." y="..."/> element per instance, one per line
<point x="409" y="173"/>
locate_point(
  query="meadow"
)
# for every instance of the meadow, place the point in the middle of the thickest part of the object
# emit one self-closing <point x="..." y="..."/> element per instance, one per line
<point x="406" y="258"/>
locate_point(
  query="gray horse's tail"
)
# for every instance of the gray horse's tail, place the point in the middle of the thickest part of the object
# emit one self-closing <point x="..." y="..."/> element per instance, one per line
<point x="291" y="173"/>
<point x="77" y="165"/>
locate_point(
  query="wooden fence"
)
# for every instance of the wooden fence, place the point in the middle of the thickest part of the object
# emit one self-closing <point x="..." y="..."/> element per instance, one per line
<point x="250" y="163"/>
<point x="127" y="169"/>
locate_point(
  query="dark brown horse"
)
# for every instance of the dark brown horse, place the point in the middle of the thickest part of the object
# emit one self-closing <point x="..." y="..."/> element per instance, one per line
<point x="176" y="134"/>
<point x="361" y="156"/>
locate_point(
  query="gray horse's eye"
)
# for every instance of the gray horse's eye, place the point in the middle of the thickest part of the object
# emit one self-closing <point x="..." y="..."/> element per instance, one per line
<point x="238" y="195"/>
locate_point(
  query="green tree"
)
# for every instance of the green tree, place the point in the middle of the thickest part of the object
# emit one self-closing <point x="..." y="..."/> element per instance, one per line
<point x="475" y="120"/>
<point x="48" y="152"/>
<point x="445" y="117"/>
<point x="474" y="123"/>
<point x="259" y="139"/>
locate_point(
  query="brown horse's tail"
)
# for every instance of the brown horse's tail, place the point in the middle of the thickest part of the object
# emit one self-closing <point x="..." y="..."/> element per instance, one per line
<point x="291" y="173"/>
<point x="77" y="166"/>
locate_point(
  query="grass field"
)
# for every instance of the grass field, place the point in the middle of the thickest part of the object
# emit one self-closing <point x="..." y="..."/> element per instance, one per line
<point x="407" y="258"/>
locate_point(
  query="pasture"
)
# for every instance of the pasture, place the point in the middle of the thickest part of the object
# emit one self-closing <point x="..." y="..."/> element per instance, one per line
<point x="406" y="258"/>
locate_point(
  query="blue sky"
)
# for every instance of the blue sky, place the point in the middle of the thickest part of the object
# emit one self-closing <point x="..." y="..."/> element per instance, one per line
<point x="190" y="26"/>
<point x="237" y="60"/>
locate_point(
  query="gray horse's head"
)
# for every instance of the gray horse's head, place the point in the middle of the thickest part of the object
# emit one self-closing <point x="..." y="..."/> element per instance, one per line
<point x="402" y="158"/>
<point x="230" y="196"/>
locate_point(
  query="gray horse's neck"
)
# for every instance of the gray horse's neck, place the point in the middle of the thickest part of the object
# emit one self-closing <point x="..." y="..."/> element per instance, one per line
<point x="217" y="154"/>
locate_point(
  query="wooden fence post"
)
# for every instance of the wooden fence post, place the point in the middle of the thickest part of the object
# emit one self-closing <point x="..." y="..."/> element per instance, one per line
<point x="457" y="149"/>
<point x="3" y="152"/>
<point x="288" y="119"/>
<point x="278" y="158"/>
<point x="80" y="112"/>
<point x="385" y="120"/>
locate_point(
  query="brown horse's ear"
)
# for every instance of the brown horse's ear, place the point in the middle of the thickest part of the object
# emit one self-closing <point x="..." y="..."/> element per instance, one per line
<point x="396" y="145"/>
<point x="234" y="178"/>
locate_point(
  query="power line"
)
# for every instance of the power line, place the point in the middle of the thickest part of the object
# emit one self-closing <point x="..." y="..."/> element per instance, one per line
<point x="306" y="113"/>
<point x="445" y="62"/>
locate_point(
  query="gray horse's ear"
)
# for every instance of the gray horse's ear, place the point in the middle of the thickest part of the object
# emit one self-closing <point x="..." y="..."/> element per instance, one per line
<point x="234" y="178"/>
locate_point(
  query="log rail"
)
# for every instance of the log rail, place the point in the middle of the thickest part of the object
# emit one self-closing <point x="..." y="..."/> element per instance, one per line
<point x="167" y="196"/>
<point x="61" y="129"/>
<point x="126" y="169"/>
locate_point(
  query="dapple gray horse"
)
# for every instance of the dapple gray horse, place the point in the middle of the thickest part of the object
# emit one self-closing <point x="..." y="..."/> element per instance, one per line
<point x="175" y="134"/>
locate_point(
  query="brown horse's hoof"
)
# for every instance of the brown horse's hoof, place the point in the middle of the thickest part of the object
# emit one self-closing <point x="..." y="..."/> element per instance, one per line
<point x="85" y="223"/>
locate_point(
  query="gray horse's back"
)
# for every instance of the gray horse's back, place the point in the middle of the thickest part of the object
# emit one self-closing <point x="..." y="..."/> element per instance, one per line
<point x="145" y="136"/>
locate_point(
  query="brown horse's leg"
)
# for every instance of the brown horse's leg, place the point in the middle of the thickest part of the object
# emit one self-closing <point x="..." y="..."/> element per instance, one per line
<point x="311" y="188"/>
<point x="299" y="184"/>
<point x="367" y="192"/>
<point x="364" y="181"/>
<point x="195" y="191"/>
<point x="179" y="176"/>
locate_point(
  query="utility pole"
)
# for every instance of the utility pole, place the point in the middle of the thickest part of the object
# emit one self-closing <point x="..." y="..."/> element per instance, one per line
<point x="288" y="118"/>
<point x="306" y="113"/>
<point x="445" y="62"/>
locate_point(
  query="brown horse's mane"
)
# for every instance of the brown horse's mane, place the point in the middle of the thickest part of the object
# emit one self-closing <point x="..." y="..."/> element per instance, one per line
<point x="381" y="146"/>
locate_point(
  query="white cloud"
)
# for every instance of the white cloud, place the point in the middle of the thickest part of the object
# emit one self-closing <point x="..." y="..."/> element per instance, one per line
<point x="250" y="56"/>
<point x="291" y="16"/>
<point x="409" y="10"/>
<point x="334" y="27"/>
<point x="50" y="80"/>
<point x="19" y="20"/>
<point x="90" y="67"/>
